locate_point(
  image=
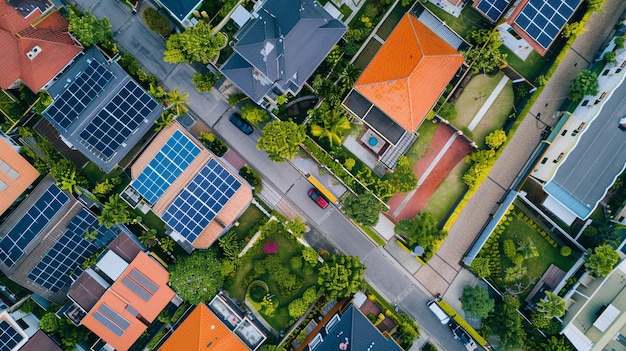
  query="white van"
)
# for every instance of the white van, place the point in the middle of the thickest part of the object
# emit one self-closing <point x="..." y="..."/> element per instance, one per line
<point x="443" y="317"/>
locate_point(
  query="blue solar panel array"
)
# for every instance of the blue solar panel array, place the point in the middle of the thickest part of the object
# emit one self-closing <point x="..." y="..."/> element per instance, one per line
<point x="173" y="158"/>
<point x="121" y="117"/>
<point x="543" y="20"/>
<point x="70" y="251"/>
<point x="36" y="217"/>
<point x="493" y="9"/>
<point x="9" y="337"/>
<point x="85" y="87"/>
<point x="200" y="201"/>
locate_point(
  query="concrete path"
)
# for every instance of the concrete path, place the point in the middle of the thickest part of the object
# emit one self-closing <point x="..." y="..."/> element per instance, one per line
<point x="485" y="107"/>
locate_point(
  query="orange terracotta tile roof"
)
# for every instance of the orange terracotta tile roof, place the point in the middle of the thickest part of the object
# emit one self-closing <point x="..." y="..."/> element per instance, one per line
<point x="129" y="305"/>
<point x="409" y="73"/>
<point x="203" y="330"/>
<point x="19" y="36"/>
<point x="16" y="175"/>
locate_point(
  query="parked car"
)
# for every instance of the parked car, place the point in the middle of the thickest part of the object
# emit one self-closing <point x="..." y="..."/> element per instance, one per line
<point x="441" y="315"/>
<point x="241" y="123"/>
<point x="319" y="199"/>
<point x="461" y="335"/>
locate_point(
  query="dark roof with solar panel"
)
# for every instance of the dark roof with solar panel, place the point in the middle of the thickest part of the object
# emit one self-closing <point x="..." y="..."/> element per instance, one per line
<point x="492" y="9"/>
<point x="99" y="109"/>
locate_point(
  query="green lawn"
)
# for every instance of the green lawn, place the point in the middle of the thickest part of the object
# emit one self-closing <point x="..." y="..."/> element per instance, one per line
<point x="367" y="54"/>
<point x="448" y="193"/>
<point x="417" y="150"/>
<point x="529" y="68"/>
<point x="247" y="221"/>
<point x="287" y="248"/>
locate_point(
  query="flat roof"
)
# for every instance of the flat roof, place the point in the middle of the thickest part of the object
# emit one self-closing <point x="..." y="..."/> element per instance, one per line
<point x="598" y="158"/>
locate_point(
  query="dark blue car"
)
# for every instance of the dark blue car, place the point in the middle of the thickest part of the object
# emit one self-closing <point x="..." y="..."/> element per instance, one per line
<point x="240" y="123"/>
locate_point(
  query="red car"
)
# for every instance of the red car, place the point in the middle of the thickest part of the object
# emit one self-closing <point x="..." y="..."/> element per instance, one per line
<point x="316" y="196"/>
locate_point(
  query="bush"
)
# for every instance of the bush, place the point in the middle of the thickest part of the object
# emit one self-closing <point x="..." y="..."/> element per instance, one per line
<point x="156" y="22"/>
<point x="566" y="251"/>
<point x="212" y="143"/>
<point x="252" y="177"/>
<point x="257" y="292"/>
<point x="203" y="82"/>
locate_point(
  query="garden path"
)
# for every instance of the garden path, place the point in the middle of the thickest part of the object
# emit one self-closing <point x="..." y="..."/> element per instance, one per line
<point x="485" y="107"/>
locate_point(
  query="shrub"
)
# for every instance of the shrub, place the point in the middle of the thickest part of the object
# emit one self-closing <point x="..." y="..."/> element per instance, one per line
<point x="252" y="177"/>
<point x="508" y="247"/>
<point x="212" y="143"/>
<point x="156" y="22"/>
<point x="295" y="263"/>
<point x="203" y="82"/>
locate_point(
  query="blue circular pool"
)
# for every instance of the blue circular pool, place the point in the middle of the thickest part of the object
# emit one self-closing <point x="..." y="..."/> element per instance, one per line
<point x="373" y="141"/>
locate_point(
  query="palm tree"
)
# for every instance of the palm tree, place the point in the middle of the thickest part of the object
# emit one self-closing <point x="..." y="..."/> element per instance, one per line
<point x="552" y="306"/>
<point x="332" y="125"/>
<point x="147" y="236"/>
<point x="166" y="119"/>
<point x="349" y="75"/>
<point x="90" y="234"/>
<point x="177" y="101"/>
<point x="157" y="92"/>
<point x="167" y="244"/>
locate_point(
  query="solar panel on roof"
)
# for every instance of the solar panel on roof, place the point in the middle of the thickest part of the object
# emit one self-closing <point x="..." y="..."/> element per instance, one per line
<point x="9" y="336"/>
<point x="114" y="316"/>
<point x="188" y="214"/>
<point x="539" y="18"/>
<point x="32" y="222"/>
<point x="79" y="94"/>
<point x="106" y="132"/>
<point x="70" y="251"/>
<point x="108" y="323"/>
<point x="493" y="8"/>
<point x="136" y="288"/>
<point x="144" y="281"/>
<point x="171" y="160"/>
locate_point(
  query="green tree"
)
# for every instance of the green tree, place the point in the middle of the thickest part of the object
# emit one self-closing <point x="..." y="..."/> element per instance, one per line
<point x="552" y="306"/>
<point x="67" y="176"/>
<point x="281" y="140"/>
<point x="114" y="212"/>
<point x="349" y="163"/>
<point x="147" y="237"/>
<point x="177" y="101"/>
<point x="600" y="263"/>
<point x="495" y="139"/>
<point x="422" y="230"/>
<point x="105" y="187"/>
<point x="309" y="255"/>
<point x="403" y="179"/>
<point x="167" y="244"/>
<point x="157" y="23"/>
<point x="476" y="301"/>
<point x="595" y="5"/>
<point x="509" y="323"/>
<point x="296" y="227"/>
<point x="88" y="29"/>
<point x="364" y="209"/>
<point x="195" y="44"/>
<point x="572" y="30"/>
<point x="254" y="114"/>
<point x="331" y="124"/>
<point x="349" y="75"/>
<point x="167" y="117"/>
<point x="485" y="55"/>
<point x="297" y="308"/>
<point x="266" y="347"/>
<point x="476" y="174"/>
<point x="619" y="42"/>
<point x="341" y="276"/>
<point x="557" y="344"/>
<point x="197" y="277"/>
<point x="50" y="323"/>
<point x="585" y="83"/>
<point x="203" y="82"/>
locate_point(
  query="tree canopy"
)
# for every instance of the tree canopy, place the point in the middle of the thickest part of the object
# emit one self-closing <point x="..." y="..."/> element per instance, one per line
<point x="364" y="208"/>
<point x="552" y="306"/>
<point x="254" y="114"/>
<point x="341" y="276"/>
<point x="485" y="56"/>
<point x="197" y="277"/>
<point x="476" y="301"/>
<point x="203" y="82"/>
<point x="557" y="344"/>
<point x="422" y="230"/>
<point x="403" y="179"/>
<point x="114" y="212"/>
<point x="281" y="140"/>
<point x="495" y="139"/>
<point x="195" y="44"/>
<point x="155" y="21"/>
<point x="88" y="29"/>
<point x="329" y="123"/>
<point x="600" y="263"/>
<point x="585" y="83"/>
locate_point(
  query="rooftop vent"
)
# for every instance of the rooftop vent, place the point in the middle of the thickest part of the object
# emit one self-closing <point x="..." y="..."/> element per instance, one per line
<point x="33" y="52"/>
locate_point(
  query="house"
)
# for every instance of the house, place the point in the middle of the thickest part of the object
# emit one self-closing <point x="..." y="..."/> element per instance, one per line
<point x="596" y="312"/>
<point x="43" y="241"/>
<point x="36" y="45"/>
<point x="182" y="10"/>
<point x="20" y="331"/>
<point x="280" y="48"/>
<point x="188" y="187"/>
<point x="539" y="22"/>
<point x="401" y="85"/>
<point x="119" y="297"/>
<point x="347" y="328"/>
<point x="99" y="110"/>
<point x="582" y="160"/>
<point x="16" y="173"/>
<point x="491" y="9"/>
<point x="216" y="325"/>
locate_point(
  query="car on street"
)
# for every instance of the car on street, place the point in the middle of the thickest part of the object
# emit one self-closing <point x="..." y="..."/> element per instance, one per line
<point x="319" y="199"/>
<point x="461" y="335"/>
<point x="241" y="123"/>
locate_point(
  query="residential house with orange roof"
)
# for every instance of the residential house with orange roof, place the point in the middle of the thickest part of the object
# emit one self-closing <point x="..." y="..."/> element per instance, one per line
<point x="119" y="297"/>
<point x="216" y="326"/>
<point x="16" y="173"/>
<point x="188" y="187"/>
<point x="36" y="44"/>
<point x="401" y="85"/>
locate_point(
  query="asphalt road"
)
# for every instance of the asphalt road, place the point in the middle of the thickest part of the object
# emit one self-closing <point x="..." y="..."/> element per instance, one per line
<point x="330" y="227"/>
